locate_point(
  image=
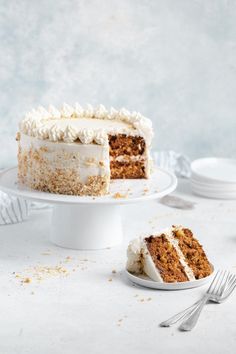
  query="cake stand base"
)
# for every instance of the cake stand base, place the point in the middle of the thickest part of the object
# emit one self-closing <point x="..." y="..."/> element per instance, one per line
<point x="86" y="226"/>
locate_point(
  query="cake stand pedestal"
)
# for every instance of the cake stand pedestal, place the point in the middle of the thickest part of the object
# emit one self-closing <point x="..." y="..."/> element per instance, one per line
<point x="92" y="222"/>
<point x="86" y="226"/>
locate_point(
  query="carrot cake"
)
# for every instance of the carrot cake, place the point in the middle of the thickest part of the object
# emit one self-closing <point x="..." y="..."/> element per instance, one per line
<point x="174" y="255"/>
<point x="76" y="151"/>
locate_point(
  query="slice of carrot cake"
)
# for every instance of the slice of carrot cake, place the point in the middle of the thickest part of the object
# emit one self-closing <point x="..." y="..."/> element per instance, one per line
<point x="174" y="255"/>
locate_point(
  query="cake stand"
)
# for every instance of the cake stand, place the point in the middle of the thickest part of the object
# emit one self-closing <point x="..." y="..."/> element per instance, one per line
<point x="92" y="222"/>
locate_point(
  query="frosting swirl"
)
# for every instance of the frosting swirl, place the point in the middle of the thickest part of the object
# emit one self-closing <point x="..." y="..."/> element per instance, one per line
<point x="35" y="123"/>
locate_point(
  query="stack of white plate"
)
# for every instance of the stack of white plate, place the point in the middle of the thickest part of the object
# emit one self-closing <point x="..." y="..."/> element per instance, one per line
<point x="214" y="177"/>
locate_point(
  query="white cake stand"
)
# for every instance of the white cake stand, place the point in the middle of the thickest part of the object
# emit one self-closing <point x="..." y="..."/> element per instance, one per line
<point x="92" y="222"/>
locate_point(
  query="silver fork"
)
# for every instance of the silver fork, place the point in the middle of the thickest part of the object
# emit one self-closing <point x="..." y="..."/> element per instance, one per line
<point x="226" y="289"/>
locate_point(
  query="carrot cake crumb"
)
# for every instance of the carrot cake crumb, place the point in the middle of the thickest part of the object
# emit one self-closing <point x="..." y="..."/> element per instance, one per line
<point x="26" y="280"/>
<point x="119" y="195"/>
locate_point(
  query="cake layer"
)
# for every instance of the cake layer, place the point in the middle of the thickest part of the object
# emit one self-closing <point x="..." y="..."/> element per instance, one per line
<point x="166" y="259"/>
<point x="122" y="145"/>
<point x="127" y="169"/>
<point x="193" y="252"/>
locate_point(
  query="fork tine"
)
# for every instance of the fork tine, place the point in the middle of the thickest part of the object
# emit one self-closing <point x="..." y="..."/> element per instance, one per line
<point x="232" y="278"/>
<point x="223" y="283"/>
<point x="232" y="283"/>
<point x="229" y="291"/>
<point x="228" y="277"/>
<point x="214" y="284"/>
<point x="213" y="281"/>
<point x="218" y="285"/>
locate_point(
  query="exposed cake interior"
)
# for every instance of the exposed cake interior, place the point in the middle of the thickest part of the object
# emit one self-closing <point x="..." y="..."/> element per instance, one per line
<point x="127" y="156"/>
<point x="193" y="252"/>
<point x="173" y="255"/>
<point x="166" y="259"/>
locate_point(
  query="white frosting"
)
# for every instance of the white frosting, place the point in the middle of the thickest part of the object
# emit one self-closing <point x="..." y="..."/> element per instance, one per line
<point x="86" y="159"/>
<point x="86" y="124"/>
<point x="134" y="264"/>
<point x="140" y="261"/>
<point x="66" y="111"/>
<point x="124" y="158"/>
<point x="54" y="113"/>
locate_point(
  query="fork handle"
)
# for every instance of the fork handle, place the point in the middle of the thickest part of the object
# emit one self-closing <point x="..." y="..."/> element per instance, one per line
<point x="172" y="320"/>
<point x="190" y="322"/>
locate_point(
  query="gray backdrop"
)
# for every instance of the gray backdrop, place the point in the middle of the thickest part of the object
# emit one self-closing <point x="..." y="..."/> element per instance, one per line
<point x="172" y="60"/>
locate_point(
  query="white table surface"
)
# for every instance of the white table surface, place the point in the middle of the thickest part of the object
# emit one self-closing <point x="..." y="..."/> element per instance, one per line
<point x="89" y="309"/>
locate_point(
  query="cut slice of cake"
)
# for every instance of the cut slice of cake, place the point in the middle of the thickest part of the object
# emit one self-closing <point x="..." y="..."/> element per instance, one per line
<point x="173" y="255"/>
<point x="77" y="150"/>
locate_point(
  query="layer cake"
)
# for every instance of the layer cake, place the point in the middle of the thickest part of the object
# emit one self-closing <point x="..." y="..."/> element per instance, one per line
<point x="77" y="151"/>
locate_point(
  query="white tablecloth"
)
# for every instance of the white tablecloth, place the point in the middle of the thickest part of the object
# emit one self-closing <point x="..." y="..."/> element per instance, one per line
<point x="84" y="307"/>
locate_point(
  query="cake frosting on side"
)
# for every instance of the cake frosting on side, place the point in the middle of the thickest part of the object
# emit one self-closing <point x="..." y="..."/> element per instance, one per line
<point x="174" y="255"/>
<point x="78" y="150"/>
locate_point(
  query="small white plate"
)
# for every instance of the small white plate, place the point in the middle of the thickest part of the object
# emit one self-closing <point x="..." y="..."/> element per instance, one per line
<point x="213" y="194"/>
<point x="145" y="281"/>
<point x="214" y="187"/>
<point x="213" y="190"/>
<point x="214" y="170"/>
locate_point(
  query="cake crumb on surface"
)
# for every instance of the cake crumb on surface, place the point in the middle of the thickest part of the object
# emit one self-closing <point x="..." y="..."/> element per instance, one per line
<point x="110" y="279"/>
<point x="119" y="195"/>
<point x="114" y="271"/>
<point x="26" y="280"/>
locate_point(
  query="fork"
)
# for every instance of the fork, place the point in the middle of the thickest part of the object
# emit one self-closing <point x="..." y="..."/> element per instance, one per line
<point x="226" y="289"/>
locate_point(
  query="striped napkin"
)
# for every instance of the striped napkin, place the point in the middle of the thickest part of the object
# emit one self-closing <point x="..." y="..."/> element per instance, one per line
<point x="174" y="162"/>
<point x="12" y="209"/>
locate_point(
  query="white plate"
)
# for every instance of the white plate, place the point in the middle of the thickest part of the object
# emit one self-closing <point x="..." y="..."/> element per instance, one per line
<point x="212" y="189"/>
<point x="215" y="170"/>
<point x="213" y="195"/>
<point x="148" y="283"/>
<point x="159" y="184"/>
<point x="213" y="186"/>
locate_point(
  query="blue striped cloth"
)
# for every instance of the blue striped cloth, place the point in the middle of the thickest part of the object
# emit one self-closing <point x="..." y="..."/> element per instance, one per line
<point x="12" y="209"/>
<point x="173" y="161"/>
